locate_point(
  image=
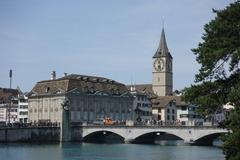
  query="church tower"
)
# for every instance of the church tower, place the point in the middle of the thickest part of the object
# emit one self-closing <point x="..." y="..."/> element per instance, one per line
<point x="162" y="76"/>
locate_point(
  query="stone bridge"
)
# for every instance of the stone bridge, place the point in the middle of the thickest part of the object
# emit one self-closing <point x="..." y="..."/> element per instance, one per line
<point x="192" y="135"/>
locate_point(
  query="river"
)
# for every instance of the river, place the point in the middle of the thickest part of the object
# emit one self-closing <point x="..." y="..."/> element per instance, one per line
<point x="88" y="151"/>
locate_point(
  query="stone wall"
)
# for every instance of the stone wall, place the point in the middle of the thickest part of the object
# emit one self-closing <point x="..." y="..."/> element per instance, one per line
<point x="34" y="134"/>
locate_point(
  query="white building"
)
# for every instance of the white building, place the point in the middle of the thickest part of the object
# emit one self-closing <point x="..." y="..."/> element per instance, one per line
<point x="187" y="115"/>
<point x="22" y="108"/>
<point x="164" y="109"/>
<point x="142" y="109"/>
<point x="221" y="114"/>
<point x="12" y="115"/>
<point x="3" y="112"/>
<point x="13" y="106"/>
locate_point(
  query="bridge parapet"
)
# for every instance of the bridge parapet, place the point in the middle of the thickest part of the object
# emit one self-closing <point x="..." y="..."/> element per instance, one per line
<point x="190" y="134"/>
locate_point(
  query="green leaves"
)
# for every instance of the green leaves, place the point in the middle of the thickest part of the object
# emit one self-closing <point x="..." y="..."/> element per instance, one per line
<point x="219" y="76"/>
<point x="231" y="146"/>
<point x="221" y="44"/>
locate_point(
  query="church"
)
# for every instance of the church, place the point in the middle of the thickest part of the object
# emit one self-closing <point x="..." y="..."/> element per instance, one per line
<point x="160" y="92"/>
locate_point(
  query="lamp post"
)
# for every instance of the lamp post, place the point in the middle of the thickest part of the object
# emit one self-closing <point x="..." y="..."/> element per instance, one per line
<point x="10" y="76"/>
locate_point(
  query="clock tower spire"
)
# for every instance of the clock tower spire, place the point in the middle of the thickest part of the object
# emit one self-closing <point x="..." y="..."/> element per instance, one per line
<point x="162" y="77"/>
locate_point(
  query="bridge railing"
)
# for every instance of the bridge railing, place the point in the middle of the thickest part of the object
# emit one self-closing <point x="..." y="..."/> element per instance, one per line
<point x="29" y="125"/>
<point x="173" y="127"/>
<point x="165" y="125"/>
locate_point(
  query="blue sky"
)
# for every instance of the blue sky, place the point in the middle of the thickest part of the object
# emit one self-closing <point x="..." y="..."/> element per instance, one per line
<point x="113" y="39"/>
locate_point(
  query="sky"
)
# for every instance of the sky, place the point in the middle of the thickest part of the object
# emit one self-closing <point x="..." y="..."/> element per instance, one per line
<point x="107" y="38"/>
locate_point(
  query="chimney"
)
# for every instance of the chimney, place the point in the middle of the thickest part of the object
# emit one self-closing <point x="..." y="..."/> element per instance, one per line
<point x="53" y="75"/>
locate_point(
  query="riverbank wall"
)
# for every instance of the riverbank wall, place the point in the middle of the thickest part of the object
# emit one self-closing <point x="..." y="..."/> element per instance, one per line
<point x="30" y="134"/>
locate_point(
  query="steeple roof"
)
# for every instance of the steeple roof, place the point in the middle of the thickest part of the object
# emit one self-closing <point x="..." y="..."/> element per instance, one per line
<point x="162" y="50"/>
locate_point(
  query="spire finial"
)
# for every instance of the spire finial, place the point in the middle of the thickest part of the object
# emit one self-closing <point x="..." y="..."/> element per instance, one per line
<point x="162" y="50"/>
<point x="162" y="22"/>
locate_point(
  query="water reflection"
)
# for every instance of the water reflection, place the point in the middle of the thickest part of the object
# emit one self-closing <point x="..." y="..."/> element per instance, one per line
<point x="170" y="142"/>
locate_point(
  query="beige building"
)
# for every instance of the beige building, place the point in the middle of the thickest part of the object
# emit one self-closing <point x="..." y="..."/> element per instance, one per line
<point x="165" y="108"/>
<point x="88" y="99"/>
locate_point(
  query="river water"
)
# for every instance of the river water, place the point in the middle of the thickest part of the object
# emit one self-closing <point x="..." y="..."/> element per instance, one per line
<point x="88" y="151"/>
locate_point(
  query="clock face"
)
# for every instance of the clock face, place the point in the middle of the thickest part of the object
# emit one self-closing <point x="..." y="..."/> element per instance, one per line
<point x="159" y="64"/>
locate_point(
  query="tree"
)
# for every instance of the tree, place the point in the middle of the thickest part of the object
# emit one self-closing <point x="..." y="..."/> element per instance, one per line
<point x="218" y="80"/>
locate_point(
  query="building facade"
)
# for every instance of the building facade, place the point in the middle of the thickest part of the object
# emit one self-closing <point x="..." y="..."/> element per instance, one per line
<point x="187" y="115"/>
<point x="164" y="109"/>
<point x="89" y="99"/>
<point x="8" y="105"/>
<point x="22" y="108"/>
<point x="142" y="107"/>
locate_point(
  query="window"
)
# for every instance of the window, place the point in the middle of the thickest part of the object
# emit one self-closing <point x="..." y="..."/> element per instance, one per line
<point x="23" y="100"/>
<point x="173" y="111"/>
<point x="86" y="89"/>
<point x="183" y="115"/>
<point x="47" y="89"/>
<point x="184" y="108"/>
<point x="168" y="117"/>
<point x="173" y="118"/>
<point x="111" y="110"/>
<point x="168" y="111"/>
<point x="23" y="113"/>
<point x="92" y="89"/>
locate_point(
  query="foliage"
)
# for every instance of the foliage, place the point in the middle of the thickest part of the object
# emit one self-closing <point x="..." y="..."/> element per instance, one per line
<point x="218" y="80"/>
<point x="231" y="147"/>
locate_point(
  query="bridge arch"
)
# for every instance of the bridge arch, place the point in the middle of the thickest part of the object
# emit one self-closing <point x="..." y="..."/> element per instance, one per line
<point x="207" y="140"/>
<point x="103" y="136"/>
<point x="154" y="136"/>
<point x="158" y="132"/>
